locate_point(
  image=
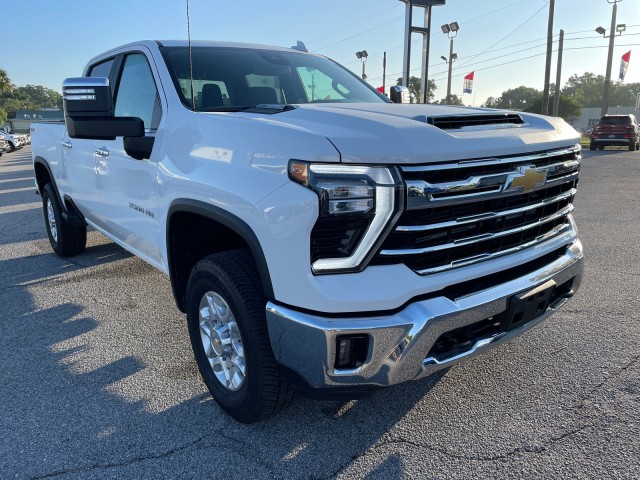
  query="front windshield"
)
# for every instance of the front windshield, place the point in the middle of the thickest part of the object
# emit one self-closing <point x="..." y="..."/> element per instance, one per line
<point x="227" y="79"/>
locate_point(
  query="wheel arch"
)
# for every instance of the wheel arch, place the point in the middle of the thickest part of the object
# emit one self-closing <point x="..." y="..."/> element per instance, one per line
<point x="43" y="174"/>
<point x="237" y="234"/>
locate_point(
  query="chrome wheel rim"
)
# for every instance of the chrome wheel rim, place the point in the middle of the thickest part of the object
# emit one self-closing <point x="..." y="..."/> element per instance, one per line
<point x="221" y="341"/>
<point x="51" y="218"/>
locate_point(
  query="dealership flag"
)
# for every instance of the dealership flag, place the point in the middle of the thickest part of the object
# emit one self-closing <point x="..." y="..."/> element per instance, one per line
<point x="624" y="64"/>
<point x="468" y="83"/>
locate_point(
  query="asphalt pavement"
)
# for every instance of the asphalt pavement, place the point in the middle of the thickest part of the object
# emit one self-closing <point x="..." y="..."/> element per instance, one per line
<point x="97" y="379"/>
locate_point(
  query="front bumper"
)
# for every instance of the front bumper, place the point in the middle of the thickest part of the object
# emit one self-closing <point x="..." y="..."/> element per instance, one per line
<point x="400" y="342"/>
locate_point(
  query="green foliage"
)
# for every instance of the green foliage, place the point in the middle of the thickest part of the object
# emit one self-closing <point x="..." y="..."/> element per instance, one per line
<point x="567" y="108"/>
<point x="518" y="98"/>
<point x="415" y="84"/>
<point x="5" y="82"/>
<point x="453" y="100"/>
<point x="39" y="96"/>
<point x="29" y="97"/>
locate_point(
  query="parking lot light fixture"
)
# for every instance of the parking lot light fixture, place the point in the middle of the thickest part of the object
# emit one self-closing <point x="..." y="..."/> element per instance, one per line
<point x="362" y="56"/>
<point x="444" y="58"/>
<point x="615" y="30"/>
<point x="451" y="31"/>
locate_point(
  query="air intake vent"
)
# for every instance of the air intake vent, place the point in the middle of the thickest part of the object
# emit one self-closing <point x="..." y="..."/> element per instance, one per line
<point x="480" y="122"/>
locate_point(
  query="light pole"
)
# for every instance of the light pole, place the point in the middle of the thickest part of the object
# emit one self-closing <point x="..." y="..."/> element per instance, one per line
<point x="618" y="29"/>
<point x="451" y="31"/>
<point x="362" y="56"/>
<point x="426" y="32"/>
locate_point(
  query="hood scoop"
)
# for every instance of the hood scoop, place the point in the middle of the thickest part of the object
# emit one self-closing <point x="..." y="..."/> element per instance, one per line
<point x="491" y="121"/>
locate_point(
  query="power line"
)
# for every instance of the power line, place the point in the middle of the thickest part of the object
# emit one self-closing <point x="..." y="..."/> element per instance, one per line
<point x="350" y="25"/>
<point x="509" y="34"/>
<point x="540" y="54"/>
<point x="386" y="22"/>
<point x="440" y="75"/>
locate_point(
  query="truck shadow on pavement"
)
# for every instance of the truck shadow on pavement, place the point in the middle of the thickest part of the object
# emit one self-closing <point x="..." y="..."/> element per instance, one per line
<point x="88" y="387"/>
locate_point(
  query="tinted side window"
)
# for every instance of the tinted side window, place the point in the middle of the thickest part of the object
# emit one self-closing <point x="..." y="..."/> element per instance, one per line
<point x="101" y="69"/>
<point x="137" y="95"/>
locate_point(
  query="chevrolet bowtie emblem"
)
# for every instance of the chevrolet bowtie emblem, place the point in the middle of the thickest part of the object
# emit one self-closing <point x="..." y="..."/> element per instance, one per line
<point x="528" y="179"/>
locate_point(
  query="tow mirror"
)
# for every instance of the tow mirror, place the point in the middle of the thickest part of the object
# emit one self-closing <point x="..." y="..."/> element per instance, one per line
<point x="88" y="111"/>
<point x="399" y="94"/>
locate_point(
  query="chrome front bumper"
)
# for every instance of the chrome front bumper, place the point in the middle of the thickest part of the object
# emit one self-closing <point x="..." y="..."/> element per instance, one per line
<point x="305" y="344"/>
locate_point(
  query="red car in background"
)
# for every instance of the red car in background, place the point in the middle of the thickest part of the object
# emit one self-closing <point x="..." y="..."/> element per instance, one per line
<point x="621" y="130"/>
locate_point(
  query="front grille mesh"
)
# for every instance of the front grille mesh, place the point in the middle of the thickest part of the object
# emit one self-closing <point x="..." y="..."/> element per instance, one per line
<point x="452" y="228"/>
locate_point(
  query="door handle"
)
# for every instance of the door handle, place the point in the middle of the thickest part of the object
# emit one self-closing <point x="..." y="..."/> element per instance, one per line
<point x="102" y="152"/>
<point x="67" y="144"/>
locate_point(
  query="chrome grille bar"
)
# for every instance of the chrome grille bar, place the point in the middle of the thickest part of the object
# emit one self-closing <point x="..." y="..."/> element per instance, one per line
<point x="480" y="238"/>
<point x="423" y="194"/>
<point x="482" y="162"/>
<point x="487" y="256"/>
<point x="485" y="216"/>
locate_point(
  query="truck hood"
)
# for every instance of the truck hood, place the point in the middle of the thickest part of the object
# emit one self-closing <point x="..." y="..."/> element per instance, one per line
<point x="396" y="133"/>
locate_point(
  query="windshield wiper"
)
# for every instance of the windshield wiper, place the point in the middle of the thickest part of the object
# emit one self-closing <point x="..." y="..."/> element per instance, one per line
<point x="267" y="108"/>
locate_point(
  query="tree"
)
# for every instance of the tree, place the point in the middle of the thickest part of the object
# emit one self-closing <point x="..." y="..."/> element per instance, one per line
<point x="415" y="84"/>
<point x="585" y="89"/>
<point x="39" y="96"/>
<point x="453" y="100"/>
<point x="514" y="99"/>
<point x="568" y="108"/>
<point x="5" y="82"/>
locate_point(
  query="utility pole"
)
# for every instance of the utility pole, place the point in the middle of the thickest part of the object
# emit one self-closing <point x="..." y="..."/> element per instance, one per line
<point x="556" y="98"/>
<point x="607" y="79"/>
<point x="384" y="72"/>
<point x="547" y="68"/>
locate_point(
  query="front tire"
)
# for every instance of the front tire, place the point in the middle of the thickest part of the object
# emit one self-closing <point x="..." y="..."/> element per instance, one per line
<point x="66" y="240"/>
<point x="229" y="337"/>
<point x="592" y="145"/>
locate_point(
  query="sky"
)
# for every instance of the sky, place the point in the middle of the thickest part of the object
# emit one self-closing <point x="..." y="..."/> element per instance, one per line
<point x="502" y="41"/>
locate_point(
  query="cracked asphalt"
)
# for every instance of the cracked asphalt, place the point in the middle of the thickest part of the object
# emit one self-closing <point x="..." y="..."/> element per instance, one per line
<point x="97" y="379"/>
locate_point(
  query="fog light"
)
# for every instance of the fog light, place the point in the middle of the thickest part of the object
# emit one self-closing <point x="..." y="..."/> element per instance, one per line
<point x="351" y="351"/>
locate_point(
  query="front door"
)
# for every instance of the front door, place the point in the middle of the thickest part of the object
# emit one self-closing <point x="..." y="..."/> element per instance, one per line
<point x="127" y="187"/>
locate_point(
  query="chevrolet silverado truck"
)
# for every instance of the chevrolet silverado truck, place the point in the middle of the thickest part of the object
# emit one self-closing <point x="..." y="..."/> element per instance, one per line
<point x="320" y="238"/>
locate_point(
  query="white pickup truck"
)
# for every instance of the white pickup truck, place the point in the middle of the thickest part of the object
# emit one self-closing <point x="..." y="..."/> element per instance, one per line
<point x="319" y="237"/>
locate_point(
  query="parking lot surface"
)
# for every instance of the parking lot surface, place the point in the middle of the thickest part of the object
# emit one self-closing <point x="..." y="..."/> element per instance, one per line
<point x="97" y="379"/>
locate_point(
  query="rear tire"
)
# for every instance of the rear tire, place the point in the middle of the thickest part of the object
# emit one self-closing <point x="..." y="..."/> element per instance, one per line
<point x="229" y="337"/>
<point x="66" y="240"/>
<point x="592" y="145"/>
<point x="632" y="145"/>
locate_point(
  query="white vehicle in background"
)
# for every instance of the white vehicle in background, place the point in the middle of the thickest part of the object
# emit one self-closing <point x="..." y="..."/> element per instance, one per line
<point x="317" y="236"/>
<point x="15" y="141"/>
<point x="4" y="145"/>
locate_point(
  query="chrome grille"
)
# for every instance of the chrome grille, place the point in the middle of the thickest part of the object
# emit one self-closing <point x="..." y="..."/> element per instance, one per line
<point x="466" y="212"/>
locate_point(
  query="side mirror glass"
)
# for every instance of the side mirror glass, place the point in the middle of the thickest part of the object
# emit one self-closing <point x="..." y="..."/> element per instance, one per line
<point x="88" y="111"/>
<point x="399" y="94"/>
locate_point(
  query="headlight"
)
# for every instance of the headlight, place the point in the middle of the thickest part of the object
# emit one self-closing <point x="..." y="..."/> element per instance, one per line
<point x="358" y="205"/>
